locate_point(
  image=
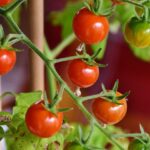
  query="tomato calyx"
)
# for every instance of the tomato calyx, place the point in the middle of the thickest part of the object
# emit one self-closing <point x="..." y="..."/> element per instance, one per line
<point x="6" y="42"/>
<point x="52" y="106"/>
<point x="90" y="60"/>
<point x="111" y="95"/>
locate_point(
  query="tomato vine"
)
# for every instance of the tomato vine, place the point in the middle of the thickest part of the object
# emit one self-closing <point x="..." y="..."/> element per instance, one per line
<point x="49" y="57"/>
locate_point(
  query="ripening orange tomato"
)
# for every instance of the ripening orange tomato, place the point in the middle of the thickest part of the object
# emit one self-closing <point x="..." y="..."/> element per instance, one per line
<point x="109" y="112"/>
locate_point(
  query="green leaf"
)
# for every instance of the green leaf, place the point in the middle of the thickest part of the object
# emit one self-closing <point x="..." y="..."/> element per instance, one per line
<point x="18" y="119"/>
<point x="57" y="18"/>
<point x="24" y="140"/>
<point x="23" y="101"/>
<point x="26" y="99"/>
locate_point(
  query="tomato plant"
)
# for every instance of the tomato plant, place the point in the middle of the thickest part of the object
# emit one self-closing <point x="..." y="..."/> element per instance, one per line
<point x="109" y="112"/>
<point x="90" y="28"/>
<point x="4" y="2"/>
<point x="41" y="121"/>
<point x="35" y="123"/>
<point x="137" y="32"/>
<point x="82" y="74"/>
<point x="7" y="60"/>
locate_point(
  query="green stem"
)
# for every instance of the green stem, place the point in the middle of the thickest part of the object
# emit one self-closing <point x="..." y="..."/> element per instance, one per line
<point x="50" y="77"/>
<point x="51" y="83"/>
<point x="59" y="97"/>
<point x="133" y="3"/>
<point x="12" y="7"/>
<point x="54" y="61"/>
<point x="11" y="22"/>
<point x="62" y="45"/>
<point x="91" y="97"/>
<point x="128" y="135"/>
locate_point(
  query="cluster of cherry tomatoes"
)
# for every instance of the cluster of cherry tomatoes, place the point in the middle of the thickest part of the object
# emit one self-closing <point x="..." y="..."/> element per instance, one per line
<point x="83" y="75"/>
<point x="89" y="29"/>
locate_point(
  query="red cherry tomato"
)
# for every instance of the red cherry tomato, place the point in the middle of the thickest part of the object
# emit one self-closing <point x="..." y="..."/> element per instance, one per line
<point x="90" y="28"/>
<point x="4" y="2"/>
<point x="7" y="60"/>
<point x="109" y="112"/>
<point x="82" y="74"/>
<point x="42" y="122"/>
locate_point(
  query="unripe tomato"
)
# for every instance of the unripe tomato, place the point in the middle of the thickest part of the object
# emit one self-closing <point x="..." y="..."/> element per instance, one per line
<point x="4" y="2"/>
<point x="82" y="74"/>
<point x="137" y="33"/>
<point x="7" y="60"/>
<point x="90" y="28"/>
<point x="42" y="122"/>
<point x="109" y="112"/>
<point x="136" y="145"/>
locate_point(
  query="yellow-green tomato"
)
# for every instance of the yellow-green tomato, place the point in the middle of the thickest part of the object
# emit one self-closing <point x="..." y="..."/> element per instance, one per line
<point x="137" y="33"/>
<point x="137" y="145"/>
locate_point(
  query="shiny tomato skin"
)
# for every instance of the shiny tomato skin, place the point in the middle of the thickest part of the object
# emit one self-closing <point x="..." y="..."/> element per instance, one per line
<point x="108" y="112"/>
<point x="136" y="145"/>
<point x="137" y="33"/>
<point x="82" y="74"/>
<point x="7" y="60"/>
<point x="90" y="28"/>
<point x="42" y="122"/>
<point x="4" y="2"/>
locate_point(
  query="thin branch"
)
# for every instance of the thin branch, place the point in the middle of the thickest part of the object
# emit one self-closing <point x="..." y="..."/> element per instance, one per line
<point x="54" y="61"/>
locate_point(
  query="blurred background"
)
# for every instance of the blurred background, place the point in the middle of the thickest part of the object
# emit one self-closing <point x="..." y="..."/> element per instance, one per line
<point x="130" y="65"/>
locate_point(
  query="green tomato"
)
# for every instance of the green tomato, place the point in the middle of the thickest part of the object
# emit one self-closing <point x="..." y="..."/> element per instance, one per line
<point x="137" y="33"/>
<point x="136" y="145"/>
